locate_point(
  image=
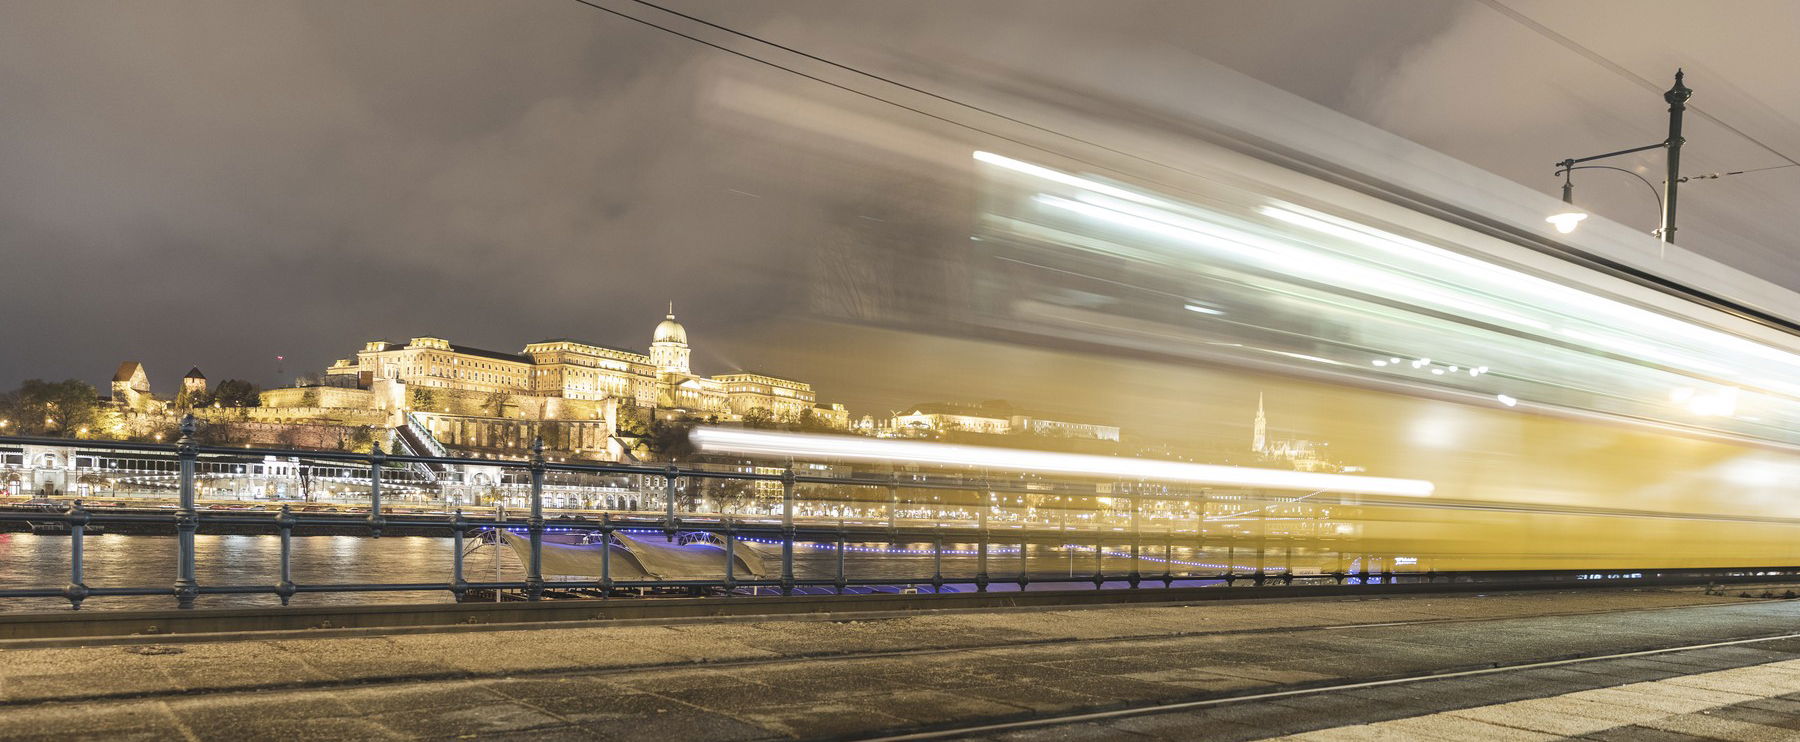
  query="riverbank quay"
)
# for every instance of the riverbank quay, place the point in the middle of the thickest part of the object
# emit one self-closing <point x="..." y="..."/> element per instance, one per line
<point x="829" y="675"/>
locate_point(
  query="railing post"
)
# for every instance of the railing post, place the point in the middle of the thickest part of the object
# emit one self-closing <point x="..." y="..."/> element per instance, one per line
<point x="1169" y="555"/>
<point x="187" y="519"/>
<point x="458" y="585"/>
<point x="730" y="556"/>
<point x="1024" y="559"/>
<point x="77" y="590"/>
<point x="787" y="531"/>
<point x="1287" y="570"/>
<point x="1137" y="539"/>
<point x="1099" y="556"/>
<point x="376" y="521"/>
<point x="1199" y="528"/>
<point x="937" y="560"/>
<point x="1262" y="539"/>
<point x="893" y="501"/>
<point x="534" y="570"/>
<point x="284" y="522"/>
<point x="670" y="522"/>
<point x="606" y="540"/>
<point x="981" y="547"/>
<point x="840" y="557"/>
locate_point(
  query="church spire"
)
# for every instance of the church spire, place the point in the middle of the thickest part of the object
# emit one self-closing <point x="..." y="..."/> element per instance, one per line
<point x="1259" y="440"/>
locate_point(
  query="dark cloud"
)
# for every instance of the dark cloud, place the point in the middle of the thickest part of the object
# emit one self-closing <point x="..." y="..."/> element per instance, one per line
<point x="216" y="183"/>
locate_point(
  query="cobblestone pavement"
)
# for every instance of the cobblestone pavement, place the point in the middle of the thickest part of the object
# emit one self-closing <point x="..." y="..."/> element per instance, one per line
<point x="793" y="678"/>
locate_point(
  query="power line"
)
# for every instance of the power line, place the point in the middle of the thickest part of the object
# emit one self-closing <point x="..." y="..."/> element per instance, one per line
<point x="873" y="76"/>
<point x="874" y="97"/>
<point x="1620" y="70"/>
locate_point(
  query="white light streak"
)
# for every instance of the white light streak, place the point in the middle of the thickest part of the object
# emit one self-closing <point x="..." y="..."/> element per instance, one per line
<point x="1574" y="302"/>
<point x="1201" y="309"/>
<point x="850" y="448"/>
<point x="1056" y="176"/>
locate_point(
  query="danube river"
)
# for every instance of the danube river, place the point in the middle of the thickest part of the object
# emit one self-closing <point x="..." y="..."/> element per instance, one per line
<point x="115" y="560"/>
<point x="118" y="560"/>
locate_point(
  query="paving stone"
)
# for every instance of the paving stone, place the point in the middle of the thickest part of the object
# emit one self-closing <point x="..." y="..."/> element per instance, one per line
<point x="1432" y="696"/>
<point x="678" y="726"/>
<point x="1117" y="688"/>
<point x="1442" y="726"/>
<point x="134" y="720"/>
<point x="1634" y="733"/>
<point x="826" y="719"/>
<point x="1753" y="715"/>
<point x="1198" y="680"/>
<point x="1632" y="697"/>
<point x="1186" y="726"/>
<point x="1035" y="697"/>
<point x="598" y="704"/>
<point x="1702" y="725"/>
<point x="1361" y="733"/>
<point x="932" y="707"/>
<point x="491" y="718"/>
<point x="411" y="697"/>
<point x="1541" y="718"/>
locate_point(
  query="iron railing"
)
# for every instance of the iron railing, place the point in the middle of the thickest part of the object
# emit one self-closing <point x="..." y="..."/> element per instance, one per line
<point x="1126" y="538"/>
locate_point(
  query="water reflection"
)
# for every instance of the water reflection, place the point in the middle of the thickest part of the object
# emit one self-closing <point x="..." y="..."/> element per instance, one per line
<point x="114" y="560"/>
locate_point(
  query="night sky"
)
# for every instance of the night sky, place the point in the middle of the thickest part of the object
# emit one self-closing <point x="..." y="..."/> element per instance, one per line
<point x="219" y="183"/>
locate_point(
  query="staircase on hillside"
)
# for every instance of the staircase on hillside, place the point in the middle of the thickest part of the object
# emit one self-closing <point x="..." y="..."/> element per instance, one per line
<point x="418" y="441"/>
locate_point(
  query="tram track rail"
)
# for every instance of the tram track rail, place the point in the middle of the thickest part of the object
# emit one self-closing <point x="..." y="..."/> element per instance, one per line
<point x="1102" y="715"/>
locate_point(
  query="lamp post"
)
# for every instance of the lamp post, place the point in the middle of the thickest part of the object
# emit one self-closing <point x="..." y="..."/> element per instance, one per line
<point x="1677" y="98"/>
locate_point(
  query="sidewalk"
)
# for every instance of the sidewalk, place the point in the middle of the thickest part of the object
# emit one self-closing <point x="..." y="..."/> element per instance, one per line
<point x="787" y="678"/>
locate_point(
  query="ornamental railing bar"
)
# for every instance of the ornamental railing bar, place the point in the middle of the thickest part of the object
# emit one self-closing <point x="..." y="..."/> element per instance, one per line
<point x="730" y="530"/>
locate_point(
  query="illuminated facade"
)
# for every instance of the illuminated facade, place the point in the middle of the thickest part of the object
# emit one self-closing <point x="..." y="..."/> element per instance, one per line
<point x="131" y="388"/>
<point x="990" y="418"/>
<point x="565" y="369"/>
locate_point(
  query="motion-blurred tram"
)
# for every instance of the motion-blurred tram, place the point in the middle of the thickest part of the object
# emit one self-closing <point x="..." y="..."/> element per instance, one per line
<point x="1572" y="407"/>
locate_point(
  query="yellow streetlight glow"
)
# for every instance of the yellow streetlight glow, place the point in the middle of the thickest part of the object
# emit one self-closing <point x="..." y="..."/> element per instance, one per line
<point x="1567" y="221"/>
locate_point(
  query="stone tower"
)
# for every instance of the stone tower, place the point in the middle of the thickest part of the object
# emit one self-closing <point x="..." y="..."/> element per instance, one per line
<point x="194" y="382"/>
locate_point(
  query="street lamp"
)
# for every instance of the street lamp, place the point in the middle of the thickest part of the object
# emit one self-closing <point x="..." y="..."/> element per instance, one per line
<point x="1567" y="220"/>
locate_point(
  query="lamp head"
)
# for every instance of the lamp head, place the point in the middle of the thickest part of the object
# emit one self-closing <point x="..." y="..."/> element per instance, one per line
<point x="1567" y="221"/>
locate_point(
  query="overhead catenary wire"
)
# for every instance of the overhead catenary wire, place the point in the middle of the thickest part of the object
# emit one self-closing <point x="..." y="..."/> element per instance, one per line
<point x="1620" y="70"/>
<point x="1716" y="176"/>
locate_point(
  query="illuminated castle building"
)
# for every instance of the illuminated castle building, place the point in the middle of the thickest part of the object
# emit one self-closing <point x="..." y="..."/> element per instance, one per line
<point x="458" y="388"/>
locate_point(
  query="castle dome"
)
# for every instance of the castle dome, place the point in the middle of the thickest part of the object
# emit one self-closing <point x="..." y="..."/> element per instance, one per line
<point x="670" y="331"/>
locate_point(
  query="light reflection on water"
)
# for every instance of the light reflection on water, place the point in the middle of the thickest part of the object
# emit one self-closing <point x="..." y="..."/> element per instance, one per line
<point x="114" y="560"/>
<point x="117" y="560"/>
